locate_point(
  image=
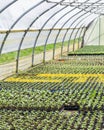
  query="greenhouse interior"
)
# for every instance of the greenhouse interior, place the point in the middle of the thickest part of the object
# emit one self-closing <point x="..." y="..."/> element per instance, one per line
<point x="53" y="78"/>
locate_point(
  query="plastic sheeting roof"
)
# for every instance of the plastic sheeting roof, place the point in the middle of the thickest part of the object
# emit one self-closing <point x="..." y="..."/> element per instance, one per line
<point x="29" y="15"/>
<point x="93" y="6"/>
<point x="33" y="14"/>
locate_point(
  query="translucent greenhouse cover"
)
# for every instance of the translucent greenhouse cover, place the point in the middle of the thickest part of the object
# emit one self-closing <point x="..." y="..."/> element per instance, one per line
<point x="41" y="21"/>
<point x="95" y="34"/>
<point x="19" y="7"/>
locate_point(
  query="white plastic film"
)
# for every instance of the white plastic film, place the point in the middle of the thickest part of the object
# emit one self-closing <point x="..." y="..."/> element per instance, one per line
<point x="95" y="33"/>
<point x="22" y="16"/>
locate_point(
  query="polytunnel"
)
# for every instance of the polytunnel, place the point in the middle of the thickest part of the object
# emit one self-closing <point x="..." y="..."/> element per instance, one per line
<point x="30" y="24"/>
<point x="51" y="65"/>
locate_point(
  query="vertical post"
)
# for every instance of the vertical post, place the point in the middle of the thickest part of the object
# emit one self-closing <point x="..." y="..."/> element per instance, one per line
<point x="17" y="65"/>
<point x="44" y="52"/>
<point x="32" y="60"/>
<point x="82" y="44"/>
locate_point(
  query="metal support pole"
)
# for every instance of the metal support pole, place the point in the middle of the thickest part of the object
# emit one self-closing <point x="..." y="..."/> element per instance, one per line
<point x="82" y="44"/>
<point x="53" y="28"/>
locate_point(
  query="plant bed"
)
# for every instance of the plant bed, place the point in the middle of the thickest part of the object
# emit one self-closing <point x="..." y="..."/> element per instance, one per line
<point x="86" y="54"/>
<point x="76" y="103"/>
<point x="93" y="50"/>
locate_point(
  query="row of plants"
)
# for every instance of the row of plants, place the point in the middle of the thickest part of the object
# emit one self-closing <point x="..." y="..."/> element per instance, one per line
<point x="89" y="50"/>
<point x="88" y="95"/>
<point x="42" y="120"/>
<point x="43" y="105"/>
<point x="69" y="91"/>
<point x="74" y="65"/>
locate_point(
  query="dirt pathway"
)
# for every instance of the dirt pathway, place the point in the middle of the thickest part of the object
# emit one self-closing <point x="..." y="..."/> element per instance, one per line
<point x="25" y="62"/>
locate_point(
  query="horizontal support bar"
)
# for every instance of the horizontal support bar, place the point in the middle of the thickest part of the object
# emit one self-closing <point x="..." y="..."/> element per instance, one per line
<point x="35" y="30"/>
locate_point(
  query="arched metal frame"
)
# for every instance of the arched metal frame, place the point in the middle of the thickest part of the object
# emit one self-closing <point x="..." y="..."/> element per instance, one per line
<point x="85" y="29"/>
<point x="35" y="44"/>
<point x="11" y="3"/>
<point x="63" y="27"/>
<point x="72" y="30"/>
<point x="72" y="33"/>
<point x="57" y="35"/>
<point x="79" y="19"/>
<point x="96" y="5"/>
<point x="83" y="33"/>
<point x="68" y="27"/>
<point x="37" y="37"/>
<point x="26" y="31"/>
<point x="38" y="33"/>
<point x="16" y="23"/>
<point x="41" y="31"/>
<point x="46" y="42"/>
